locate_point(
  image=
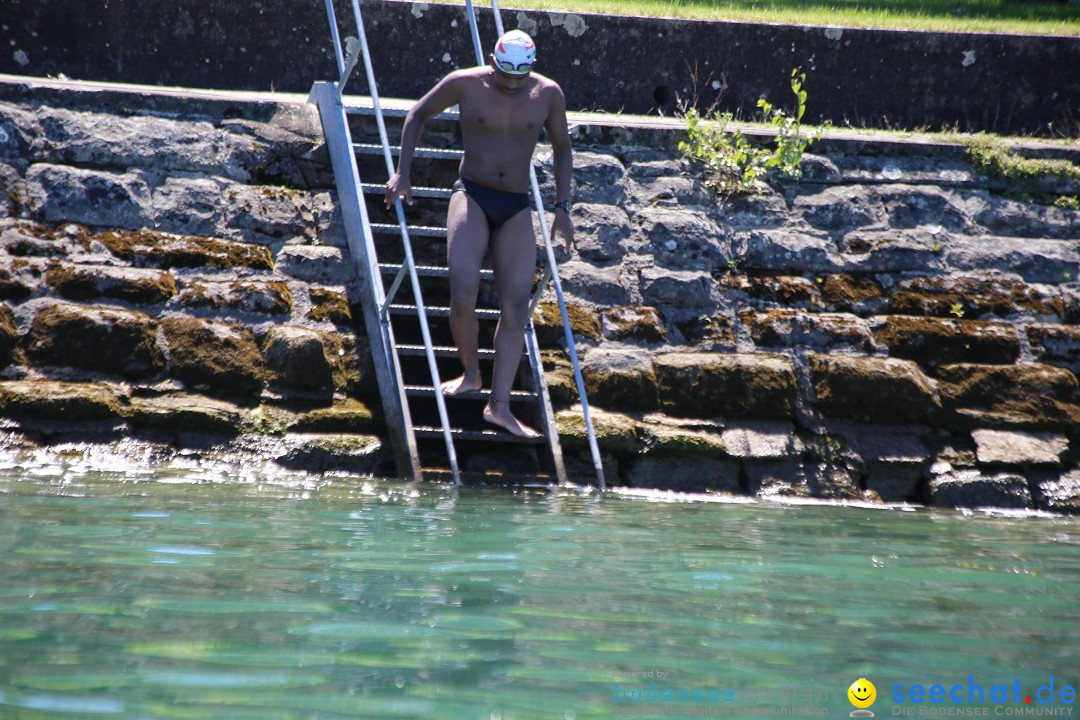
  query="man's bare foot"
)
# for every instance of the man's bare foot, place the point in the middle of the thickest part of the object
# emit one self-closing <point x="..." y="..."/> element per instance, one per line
<point x="460" y="385"/>
<point x="497" y="412"/>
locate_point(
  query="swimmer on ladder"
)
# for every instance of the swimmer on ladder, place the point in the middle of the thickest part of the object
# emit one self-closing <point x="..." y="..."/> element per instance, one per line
<point x="504" y="106"/>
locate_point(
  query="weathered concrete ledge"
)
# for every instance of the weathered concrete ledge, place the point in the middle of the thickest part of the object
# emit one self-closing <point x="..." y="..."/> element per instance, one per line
<point x="894" y="326"/>
<point x="862" y="77"/>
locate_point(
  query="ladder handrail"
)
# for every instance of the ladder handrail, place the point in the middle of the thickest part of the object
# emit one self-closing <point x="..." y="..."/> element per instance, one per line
<point x="418" y="299"/>
<point x="551" y="272"/>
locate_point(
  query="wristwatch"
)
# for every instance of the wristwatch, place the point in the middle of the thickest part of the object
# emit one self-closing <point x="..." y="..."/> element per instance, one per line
<point x="565" y="205"/>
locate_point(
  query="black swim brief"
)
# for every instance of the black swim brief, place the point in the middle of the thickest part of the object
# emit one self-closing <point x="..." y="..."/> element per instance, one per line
<point x="498" y="205"/>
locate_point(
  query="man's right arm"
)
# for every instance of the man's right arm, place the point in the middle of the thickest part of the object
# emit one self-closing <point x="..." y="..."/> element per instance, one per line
<point x="444" y="95"/>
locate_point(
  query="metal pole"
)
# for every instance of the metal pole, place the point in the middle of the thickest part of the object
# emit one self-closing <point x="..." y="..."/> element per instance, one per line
<point x="440" y="401"/>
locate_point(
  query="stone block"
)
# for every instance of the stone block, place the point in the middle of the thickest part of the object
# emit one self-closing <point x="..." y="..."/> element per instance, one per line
<point x="217" y="358"/>
<point x="684" y="474"/>
<point x="185" y="413"/>
<point x="973" y="489"/>
<point x="872" y="389"/>
<point x="910" y="206"/>
<point x="239" y="295"/>
<point x="364" y="455"/>
<point x="9" y="336"/>
<point x="895" y="482"/>
<point x="599" y="178"/>
<point x="1034" y="259"/>
<point x="620" y="379"/>
<point x="97" y="339"/>
<point x="1056" y="345"/>
<point x="600" y="232"/>
<point x="761" y="440"/>
<point x="637" y="323"/>
<point x="976" y="295"/>
<point x="615" y="433"/>
<point x="676" y="289"/>
<point x="315" y="263"/>
<point x="269" y="211"/>
<point x="893" y="251"/>
<point x="37" y="402"/>
<point x="327" y="304"/>
<point x="548" y="323"/>
<point x="1007" y="447"/>
<point x="819" y="331"/>
<point x="600" y="285"/>
<point x="1061" y="494"/>
<point x="783" y="251"/>
<point x="1030" y="396"/>
<point x="189" y="206"/>
<point x="840" y="209"/>
<point x="350" y="416"/>
<point x="149" y="248"/>
<point x="934" y="341"/>
<point x="91" y="282"/>
<point x="92" y="197"/>
<point x="725" y="385"/>
<point x="682" y="239"/>
<point x="858" y="294"/>
<point x="297" y="360"/>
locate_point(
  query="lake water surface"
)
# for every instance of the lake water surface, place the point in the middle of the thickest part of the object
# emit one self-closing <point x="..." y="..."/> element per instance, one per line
<point x="197" y="595"/>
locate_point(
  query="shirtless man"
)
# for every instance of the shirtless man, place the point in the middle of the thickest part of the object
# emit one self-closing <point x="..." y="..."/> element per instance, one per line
<point x="504" y="106"/>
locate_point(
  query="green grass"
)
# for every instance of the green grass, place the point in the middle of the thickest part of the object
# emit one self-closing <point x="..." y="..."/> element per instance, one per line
<point x="1038" y="17"/>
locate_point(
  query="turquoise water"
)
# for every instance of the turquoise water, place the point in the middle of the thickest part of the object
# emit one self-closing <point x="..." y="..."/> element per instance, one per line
<point x="174" y="595"/>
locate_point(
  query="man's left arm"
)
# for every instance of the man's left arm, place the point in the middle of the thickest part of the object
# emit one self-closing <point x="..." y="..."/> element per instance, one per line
<point x="562" y="155"/>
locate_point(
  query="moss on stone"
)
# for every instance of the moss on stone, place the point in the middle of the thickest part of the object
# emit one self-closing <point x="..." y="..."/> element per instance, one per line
<point x="615" y="432"/>
<point x="549" y="327"/>
<point x="157" y="249"/>
<point x="329" y="305"/>
<point x="80" y="283"/>
<point x="348" y="416"/>
<point x="222" y="358"/>
<point x="39" y="402"/>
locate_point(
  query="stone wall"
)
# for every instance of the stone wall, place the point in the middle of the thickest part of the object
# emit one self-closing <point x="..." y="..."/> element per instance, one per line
<point x="862" y="77"/>
<point x="894" y="326"/>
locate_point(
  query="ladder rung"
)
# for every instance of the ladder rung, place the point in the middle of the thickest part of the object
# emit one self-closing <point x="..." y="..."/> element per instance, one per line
<point x="369" y="110"/>
<point x="485" y="435"/>
<point x="442" y="312"/>
<point x="366" y="149"/>
<point x="373" y="189"/>
<point x="441" y="351"/>
<point x="428" y="392"/>
<point x="414" y="230"/>
<point x="539" y="479"/>
<point x="430" y="271"/>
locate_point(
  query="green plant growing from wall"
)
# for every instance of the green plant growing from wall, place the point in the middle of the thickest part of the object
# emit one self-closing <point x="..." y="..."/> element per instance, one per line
<point x="991" y="157"/>
<point x="735" y="166"/>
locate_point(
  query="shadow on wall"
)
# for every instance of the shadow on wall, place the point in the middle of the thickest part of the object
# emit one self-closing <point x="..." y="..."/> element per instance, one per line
<point x="965" y="81"/>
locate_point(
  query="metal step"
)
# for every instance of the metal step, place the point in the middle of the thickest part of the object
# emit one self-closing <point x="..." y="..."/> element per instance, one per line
<point x="431" y="271"/>
<point x="395" y="150"/>
<point x="414" y="230"/>
<point x="435" y="433"/>
<point x="418" y="192"/>
<point x="368" y="110"/>
<point x="471" y="477"/>
<point x="443" y="312"/>
<point x="441" y="351"/>
<point x="427" y="392"/>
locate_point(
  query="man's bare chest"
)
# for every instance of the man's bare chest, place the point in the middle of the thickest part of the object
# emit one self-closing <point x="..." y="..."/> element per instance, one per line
<point x="515" y="116"/>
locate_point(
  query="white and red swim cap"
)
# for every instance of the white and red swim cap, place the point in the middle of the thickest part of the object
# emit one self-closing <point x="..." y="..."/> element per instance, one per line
<point x="515" y="53"/>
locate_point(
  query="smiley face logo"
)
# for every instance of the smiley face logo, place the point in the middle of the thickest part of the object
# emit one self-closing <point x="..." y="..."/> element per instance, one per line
<point x="862" y="693"/>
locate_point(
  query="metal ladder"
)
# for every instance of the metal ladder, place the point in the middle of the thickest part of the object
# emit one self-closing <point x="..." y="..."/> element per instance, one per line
<point x="403" y="393"/>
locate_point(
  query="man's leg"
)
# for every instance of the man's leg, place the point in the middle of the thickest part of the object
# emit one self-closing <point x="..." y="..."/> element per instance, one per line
<point x="467" y="239"/>
<point x="513" y="256"/>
